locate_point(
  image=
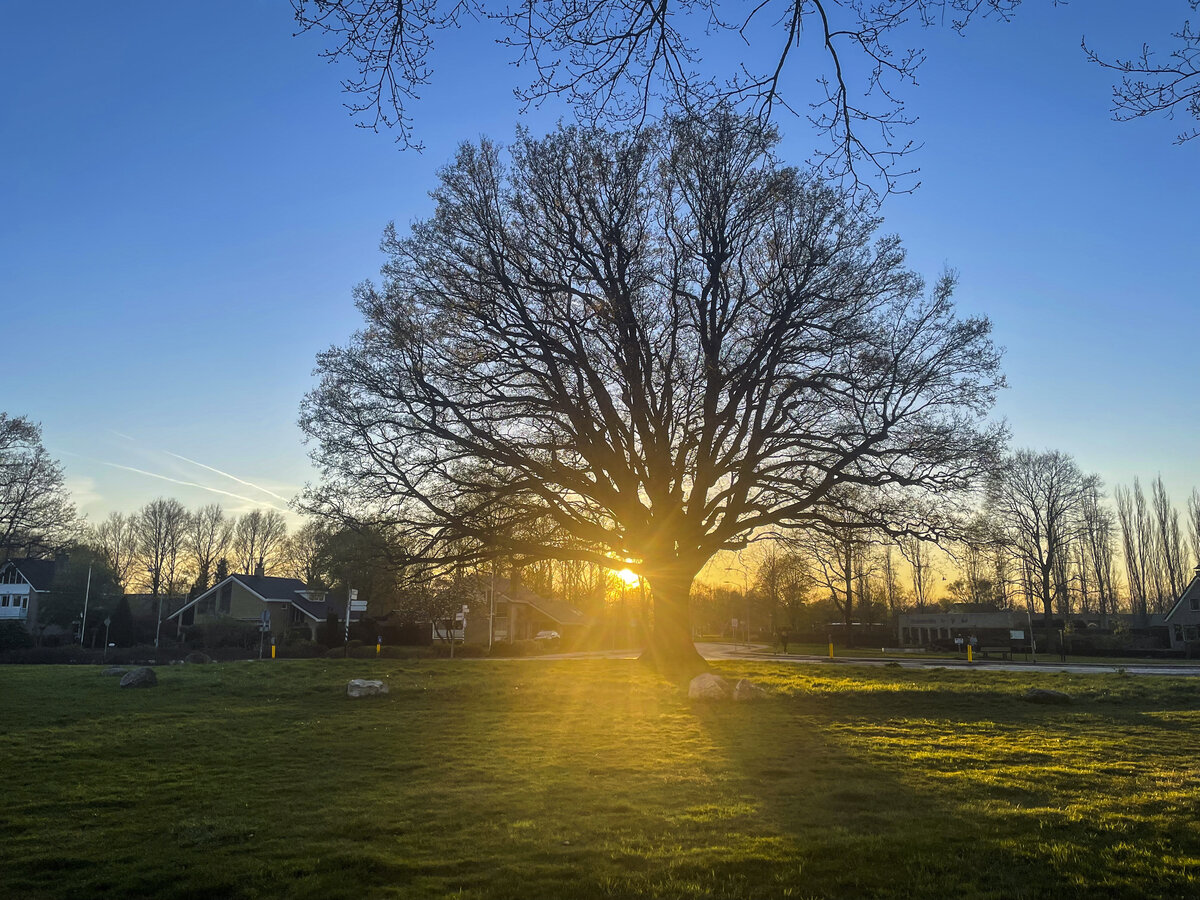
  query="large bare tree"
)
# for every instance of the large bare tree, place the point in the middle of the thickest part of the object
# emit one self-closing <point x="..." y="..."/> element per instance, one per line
<point x="620" y="62"/>
<point x="636" y="350"/>
<point x="161" y="527"/>
<point x="36" y="513"/>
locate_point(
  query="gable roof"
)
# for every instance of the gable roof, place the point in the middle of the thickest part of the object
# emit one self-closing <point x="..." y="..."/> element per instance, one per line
<point x="1192" y="590"/>
<point x="271" y="589"/>
<point x="38" y="572"/>
<point x="560" y="611"/>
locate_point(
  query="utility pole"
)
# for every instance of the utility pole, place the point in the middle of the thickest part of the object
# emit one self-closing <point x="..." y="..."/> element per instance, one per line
<point x="86" y="595"/>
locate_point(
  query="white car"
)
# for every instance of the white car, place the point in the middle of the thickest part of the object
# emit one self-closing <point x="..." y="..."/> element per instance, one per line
<point x="547" y="636"/>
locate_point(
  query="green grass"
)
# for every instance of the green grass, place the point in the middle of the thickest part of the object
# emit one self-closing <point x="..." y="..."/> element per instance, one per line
<point x="582" y="779"/>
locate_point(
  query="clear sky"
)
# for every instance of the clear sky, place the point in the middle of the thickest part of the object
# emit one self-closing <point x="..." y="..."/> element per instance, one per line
<point x="185" y="207"/>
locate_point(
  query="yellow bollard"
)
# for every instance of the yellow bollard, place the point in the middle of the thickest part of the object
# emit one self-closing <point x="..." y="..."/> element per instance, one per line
<point x="970" y="655"/>
<point x="831" y="649"/>
<point x="272" y="648"/>
<point x="378" y="646"/>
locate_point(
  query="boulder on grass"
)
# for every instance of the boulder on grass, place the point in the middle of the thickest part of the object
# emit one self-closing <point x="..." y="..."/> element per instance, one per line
<point x="197" y="657"/>
<point x="748" y="690"/>
<point x="114" y="670"/>
<point x="709" y="687"/>
<point x="143" y="677"/>
<point x="362" y="687"/>
<point x="1041" y="695"/>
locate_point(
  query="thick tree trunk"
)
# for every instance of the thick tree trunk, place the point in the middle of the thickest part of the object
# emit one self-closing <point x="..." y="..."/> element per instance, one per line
<point x="671" y="649"/>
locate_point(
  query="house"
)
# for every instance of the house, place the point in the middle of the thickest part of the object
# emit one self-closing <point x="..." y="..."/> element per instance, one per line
<point x="1183" y="619"/>
<point x="245" y="598"/>
<point x="520" y="614"/>
<point x="23" y="584"/>
<point x="923" y="629"/>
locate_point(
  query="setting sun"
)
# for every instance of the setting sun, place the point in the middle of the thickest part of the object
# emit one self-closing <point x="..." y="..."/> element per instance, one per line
<point x="628" y="576"/>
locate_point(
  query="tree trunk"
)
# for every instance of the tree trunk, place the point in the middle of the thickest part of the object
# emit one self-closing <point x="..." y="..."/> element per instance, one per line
<point x="671" y="649"/>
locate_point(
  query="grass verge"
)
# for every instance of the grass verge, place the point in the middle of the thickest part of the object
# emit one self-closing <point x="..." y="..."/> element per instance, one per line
<point x="594" y="778"/>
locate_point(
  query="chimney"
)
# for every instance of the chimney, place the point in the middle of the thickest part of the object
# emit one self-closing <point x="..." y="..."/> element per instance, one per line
<point x="258" y="569"/>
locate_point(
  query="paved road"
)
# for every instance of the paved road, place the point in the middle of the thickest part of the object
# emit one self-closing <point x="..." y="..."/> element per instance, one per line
<point x="765" y="653"/>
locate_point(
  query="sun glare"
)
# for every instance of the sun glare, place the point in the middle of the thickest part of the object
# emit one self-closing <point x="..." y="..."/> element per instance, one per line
<point x="628" y="576"/>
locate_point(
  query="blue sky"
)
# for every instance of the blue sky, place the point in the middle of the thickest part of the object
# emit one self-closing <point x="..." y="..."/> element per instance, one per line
<point x="186" y="206"/>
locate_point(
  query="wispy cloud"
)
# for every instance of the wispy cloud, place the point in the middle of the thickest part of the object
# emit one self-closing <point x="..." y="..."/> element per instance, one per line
<point x="249" y="484"/>
<point x="120" y="434"/>
<point x="203" y="487"/>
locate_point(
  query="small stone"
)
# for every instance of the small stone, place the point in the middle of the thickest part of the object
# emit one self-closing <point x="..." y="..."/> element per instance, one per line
<point x="1041" y="695"/>
<point x="748" y="690"/>
<point x="143" y="677"/>
<point x="197" y="657"/>
<point x="708" y="687"/>
<point x="362" y="687"/>
<point x="114" y="670"/>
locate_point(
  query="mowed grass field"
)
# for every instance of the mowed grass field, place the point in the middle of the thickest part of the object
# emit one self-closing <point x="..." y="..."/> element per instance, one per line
<point x="582" y="779"/>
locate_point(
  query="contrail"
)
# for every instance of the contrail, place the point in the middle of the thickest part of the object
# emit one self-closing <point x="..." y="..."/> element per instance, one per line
<point x="251" y="484"/>
<point x="203" y="487"/>
<point x="121" y="435"/>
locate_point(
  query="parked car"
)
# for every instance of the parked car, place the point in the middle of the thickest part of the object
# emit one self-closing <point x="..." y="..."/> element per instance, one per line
<point x="547" y="636"/>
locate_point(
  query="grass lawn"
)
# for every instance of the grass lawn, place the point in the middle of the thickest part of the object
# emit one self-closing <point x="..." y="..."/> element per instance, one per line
<point x="594" y="778"/>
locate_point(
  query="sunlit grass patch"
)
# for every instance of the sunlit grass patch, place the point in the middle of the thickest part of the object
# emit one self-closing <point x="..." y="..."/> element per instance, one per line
<point x="523" y="779"/>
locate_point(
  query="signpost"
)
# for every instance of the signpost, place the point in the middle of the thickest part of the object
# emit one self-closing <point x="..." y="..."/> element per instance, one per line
<point x="353" y="605"/>
<point x="264" y="625"/>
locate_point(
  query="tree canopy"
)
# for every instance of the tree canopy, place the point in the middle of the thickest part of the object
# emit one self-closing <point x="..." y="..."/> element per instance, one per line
<point x="638" y="349"/>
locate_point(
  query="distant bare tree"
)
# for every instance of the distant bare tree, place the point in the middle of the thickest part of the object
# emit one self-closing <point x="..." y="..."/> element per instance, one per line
<point x="639" y="350"/>
<point x="1193" y="506"/>
<point x="208" y="536"/>
<point x="1137" y="543"/>
<point x="1149" y="86"/>
<point x="257" y="540"/>
<point x="916" y="553"/>
<point x="1038" y="498"/>
<point x="161" y="527"/>
<point x="306" y="553"/>
<point x="1098" y="535"/>
<point x="1172" y="553"/>
<point x="36" y="513"/>
<point x="116" y="539"/>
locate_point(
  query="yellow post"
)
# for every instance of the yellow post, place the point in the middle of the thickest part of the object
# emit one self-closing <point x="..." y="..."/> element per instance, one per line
<point x="272" y="647"/>
<point x="970" y="655"/>
<point x="378" y="645"/>
<point x="831" y="648"/>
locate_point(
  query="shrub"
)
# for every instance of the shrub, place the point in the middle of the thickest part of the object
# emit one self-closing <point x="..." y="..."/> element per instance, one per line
<point x="516" y="648"/>
<point x="13" y="636"/>
<point x="300" y="648"/>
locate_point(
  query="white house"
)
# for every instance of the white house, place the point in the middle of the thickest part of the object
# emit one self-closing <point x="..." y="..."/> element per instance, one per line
<point x="22" y="583"/>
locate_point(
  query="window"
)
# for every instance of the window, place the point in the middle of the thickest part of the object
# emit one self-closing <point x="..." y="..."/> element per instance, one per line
<point x="25" y="602"/>
<point x="1179" y="632"/>
<point x="1195" y="604"/>
<point x="4" y="600"/>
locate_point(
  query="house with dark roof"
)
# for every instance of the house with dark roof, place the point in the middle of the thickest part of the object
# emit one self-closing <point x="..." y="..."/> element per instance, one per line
<point x="23" y="583"/>
<point x="244" y="598"/>
<point x="1183" y="619"/>
<point x="520" y="614"/>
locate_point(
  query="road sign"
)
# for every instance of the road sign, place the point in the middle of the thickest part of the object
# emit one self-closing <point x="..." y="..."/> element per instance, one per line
<point x="358" y="606"/>
<point x="265" y="623"/>
<point x="354" y="593"/>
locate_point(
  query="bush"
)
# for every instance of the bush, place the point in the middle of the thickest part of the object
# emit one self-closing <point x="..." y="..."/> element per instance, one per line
<point x="13" y="636"/>
<point x="217" y="635"/>
<point x="407" y="653"/>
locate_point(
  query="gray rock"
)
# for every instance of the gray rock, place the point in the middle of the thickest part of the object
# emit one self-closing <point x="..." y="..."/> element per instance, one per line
<point x="197" y="657"/>
<point x="709" y="687"/>
<point x="1041" y="695"/>
<point x="143" y="677"/>
<point x="114" y="670"/>
<point x="361" y="687"/>
<point x="748" y="690"/>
